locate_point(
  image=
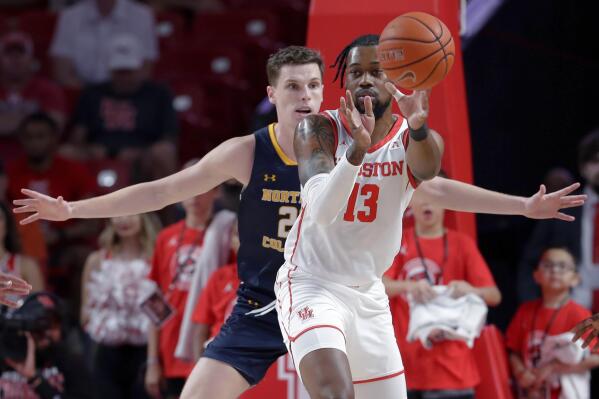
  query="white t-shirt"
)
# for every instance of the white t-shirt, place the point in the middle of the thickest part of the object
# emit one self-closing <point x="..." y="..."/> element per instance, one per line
<point x="84" y="36"/>
<point x="359" y="246"/>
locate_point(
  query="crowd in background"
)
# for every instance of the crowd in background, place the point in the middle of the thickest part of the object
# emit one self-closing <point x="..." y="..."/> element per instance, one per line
<point x="100" y="99"/>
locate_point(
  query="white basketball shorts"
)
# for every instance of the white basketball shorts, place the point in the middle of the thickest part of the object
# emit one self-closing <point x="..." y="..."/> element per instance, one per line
<point x="315" y="313"/>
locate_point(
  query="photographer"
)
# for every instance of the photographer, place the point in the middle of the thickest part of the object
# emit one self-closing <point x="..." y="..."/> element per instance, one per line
<point x="34" y="360"/>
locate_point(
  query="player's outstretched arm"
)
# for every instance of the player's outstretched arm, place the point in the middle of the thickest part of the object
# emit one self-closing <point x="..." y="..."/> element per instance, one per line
<point x="459" y="196"/>
<point x="326" y="186"/>
<point x="424" y="151"/>
<point x="231" y="159"/>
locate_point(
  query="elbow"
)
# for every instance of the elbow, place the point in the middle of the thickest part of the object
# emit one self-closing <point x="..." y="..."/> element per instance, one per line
<point x="494" y="298"/>
<point x="428" y="172"/>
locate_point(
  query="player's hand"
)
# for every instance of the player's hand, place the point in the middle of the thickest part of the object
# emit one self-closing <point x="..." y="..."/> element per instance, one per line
<point x="153" y="379"/>
<point x="12" y="285"/>
<point x="421" y="291"/>
<point x="459" y="288"/>
<point x="27" y="367"/>
<point x="588" y="326"/>
<point x="413" y="107"/>
<point x="526" y="378"/>
<point x="548" y="206"/>
<point x="41" y="206"/>
<point x="361" y="125"/>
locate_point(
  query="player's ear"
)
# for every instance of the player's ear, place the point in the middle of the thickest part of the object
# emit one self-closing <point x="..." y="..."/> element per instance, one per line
<point x="270" y="92"/>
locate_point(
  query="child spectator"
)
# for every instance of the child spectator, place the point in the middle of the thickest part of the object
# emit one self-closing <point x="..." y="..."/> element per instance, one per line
<point x="433" y="255"/>
<point x="540" y="326"/>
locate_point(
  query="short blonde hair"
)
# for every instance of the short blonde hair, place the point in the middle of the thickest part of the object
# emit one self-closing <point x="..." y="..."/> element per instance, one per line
<point x="150" y="226"/>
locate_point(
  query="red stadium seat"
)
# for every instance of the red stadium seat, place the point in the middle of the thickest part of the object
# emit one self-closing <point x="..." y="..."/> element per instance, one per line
<point x="257" y="26"/>
<point x="40" y="25"/>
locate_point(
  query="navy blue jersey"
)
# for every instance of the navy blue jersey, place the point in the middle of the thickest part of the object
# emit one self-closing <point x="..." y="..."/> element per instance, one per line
<point x="269" y="205"/>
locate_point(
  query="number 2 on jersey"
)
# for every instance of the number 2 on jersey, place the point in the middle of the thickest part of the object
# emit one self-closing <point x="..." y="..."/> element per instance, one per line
<point x="370" y="192"/>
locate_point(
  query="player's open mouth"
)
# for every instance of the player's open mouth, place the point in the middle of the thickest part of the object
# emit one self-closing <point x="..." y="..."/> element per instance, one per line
<point x="304" y="111"/>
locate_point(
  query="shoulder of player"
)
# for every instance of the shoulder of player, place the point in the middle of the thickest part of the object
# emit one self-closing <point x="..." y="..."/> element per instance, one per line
<point x="315" y="127"/>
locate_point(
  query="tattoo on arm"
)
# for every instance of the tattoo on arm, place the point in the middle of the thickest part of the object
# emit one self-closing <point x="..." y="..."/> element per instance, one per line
<point x="314" y="145"/>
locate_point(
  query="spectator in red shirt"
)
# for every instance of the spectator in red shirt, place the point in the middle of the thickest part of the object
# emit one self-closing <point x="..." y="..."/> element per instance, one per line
<point x="434" y="255"/>
<point x="538" y="320"/>
<point x="21" y="91"/>
<point x="41" y="169"/>
<point x="178" y="248"/>
<point x="218" y="298"/>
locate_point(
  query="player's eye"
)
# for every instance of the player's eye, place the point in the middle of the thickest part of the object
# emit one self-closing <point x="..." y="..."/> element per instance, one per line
<point x="292" y="86"/>
<point x="314" y="85"/>
<point x="355" y="73"/>
<point x="378" y="72"/>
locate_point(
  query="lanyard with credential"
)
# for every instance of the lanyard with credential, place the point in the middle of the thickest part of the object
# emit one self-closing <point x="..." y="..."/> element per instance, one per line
<point x="421" y="256"/>
<point x="181" y="265"/>
<point x="536" y="357"/>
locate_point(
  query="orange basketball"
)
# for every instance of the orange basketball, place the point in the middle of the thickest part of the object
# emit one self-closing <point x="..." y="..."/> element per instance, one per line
<point x="416" y="50"/>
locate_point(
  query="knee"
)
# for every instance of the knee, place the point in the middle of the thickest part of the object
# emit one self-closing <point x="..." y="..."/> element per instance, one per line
<point x="335" y="391"/>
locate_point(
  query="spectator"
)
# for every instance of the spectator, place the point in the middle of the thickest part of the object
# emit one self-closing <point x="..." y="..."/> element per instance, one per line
<point x="540" y="372"/>
<point x="21" y="91"/>
<point x="217" y="299"/>
<point x="434" y="255"/>
<point x="42" y="170"/>
<point x="581" y="237"/>
<point x="42" y="366"/>
<point x="177" y="254"/>
<point x="129" y="117"/>
<point x="115" y="282"/>
<point x="11" y="261"/>
<point x="80" y="47"/>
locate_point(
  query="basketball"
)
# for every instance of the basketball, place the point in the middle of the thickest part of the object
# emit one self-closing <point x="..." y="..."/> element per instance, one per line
<point x="416" y="50"/>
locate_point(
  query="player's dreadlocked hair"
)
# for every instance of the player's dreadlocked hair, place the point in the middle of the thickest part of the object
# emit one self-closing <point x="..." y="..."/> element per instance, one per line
<point x="341" y="61"/>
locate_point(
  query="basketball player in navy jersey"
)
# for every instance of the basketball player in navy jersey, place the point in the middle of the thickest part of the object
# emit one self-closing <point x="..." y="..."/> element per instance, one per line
<point x="264" y="162"/>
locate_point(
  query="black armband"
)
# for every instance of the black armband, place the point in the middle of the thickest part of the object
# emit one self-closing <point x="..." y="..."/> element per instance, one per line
<point x="419" y="134"/>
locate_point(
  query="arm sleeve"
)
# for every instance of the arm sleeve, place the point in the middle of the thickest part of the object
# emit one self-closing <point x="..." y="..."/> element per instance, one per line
<point x="326" y="194"/>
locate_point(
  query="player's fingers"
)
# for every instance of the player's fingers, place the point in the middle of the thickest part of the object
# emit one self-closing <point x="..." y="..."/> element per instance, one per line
<point x="343" y="105"/>
<point x="350" y="101"/>
<point x="571" y="204"/>
<point x="24" y="209"/>
<point x="567" y="198"/>
<point x="568" y="190"/>
<point x="589" y="338"/>
<point x="368" y="106"/>
<point x="579" y="329"/>
<point x="25" y="201"/>
<point x="564" y="217"/>
<point x="398" y="95"/>
<point x="542" y="190"/>
<point x="32" y="194"/>
<point x="30" y="219"/>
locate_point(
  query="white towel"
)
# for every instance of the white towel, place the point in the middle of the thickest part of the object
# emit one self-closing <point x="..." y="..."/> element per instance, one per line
<point x="560" y="347"/>
<point x="461" y="319"/>
<point x="215" y="253"/>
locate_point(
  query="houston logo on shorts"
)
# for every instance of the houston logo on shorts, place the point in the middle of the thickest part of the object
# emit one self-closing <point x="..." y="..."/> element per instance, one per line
<point x="305" y="313"/>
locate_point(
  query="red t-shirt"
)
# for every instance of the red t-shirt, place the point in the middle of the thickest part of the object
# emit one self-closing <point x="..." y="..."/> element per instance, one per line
<point x="69" y="179"/>
<point x="217" y="299"/>
<point x="523" y="338"/>
<point x="450" y="362"/>
<point x="177" y="250"/>
<point x="38" y="95"/>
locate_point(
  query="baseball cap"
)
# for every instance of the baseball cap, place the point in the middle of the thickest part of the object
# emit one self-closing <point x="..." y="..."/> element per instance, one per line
<point x="16" y="40"/>
<point x="125" y="52"/>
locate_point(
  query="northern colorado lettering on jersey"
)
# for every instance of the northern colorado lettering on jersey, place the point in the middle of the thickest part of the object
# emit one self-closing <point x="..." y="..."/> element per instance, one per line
<point x="280" y="196"/>
<point x="269" y="206"/>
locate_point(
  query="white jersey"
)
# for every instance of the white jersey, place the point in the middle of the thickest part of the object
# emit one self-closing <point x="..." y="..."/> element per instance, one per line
<point x="359" y="246"/>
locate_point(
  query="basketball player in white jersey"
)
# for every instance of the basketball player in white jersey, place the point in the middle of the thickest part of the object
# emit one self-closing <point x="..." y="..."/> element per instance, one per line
<point x="358" y="172"/>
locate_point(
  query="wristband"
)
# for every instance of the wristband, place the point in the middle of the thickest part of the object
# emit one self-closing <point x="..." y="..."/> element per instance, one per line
<point x="419" y="134"/>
